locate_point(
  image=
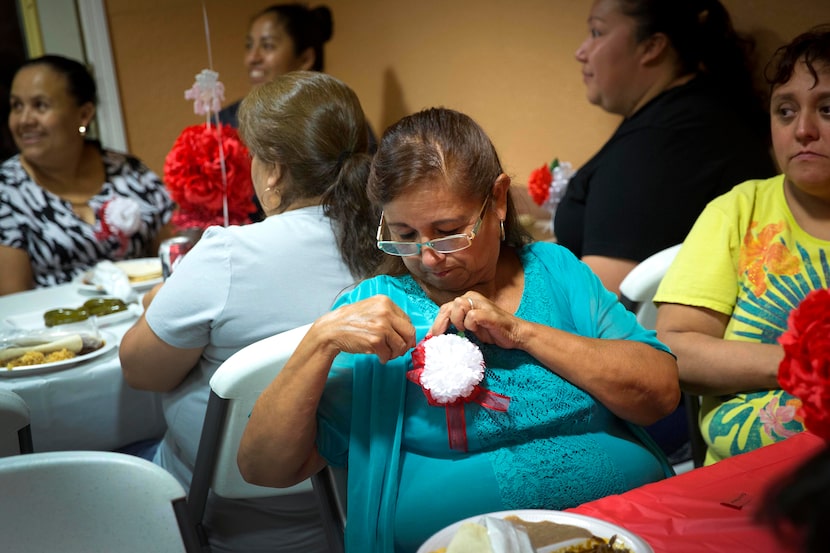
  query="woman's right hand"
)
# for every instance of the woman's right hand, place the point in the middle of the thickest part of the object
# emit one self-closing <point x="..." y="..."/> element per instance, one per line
<point x="373" y="326"/>
<point x="278" y="446"/>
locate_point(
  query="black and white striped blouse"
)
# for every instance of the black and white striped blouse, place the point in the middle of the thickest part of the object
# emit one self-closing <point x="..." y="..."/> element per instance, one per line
<point x="60" y="244"/>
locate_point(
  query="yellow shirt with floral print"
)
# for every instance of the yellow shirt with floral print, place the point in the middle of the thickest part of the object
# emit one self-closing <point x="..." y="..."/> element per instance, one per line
<point x="746" y="257"/>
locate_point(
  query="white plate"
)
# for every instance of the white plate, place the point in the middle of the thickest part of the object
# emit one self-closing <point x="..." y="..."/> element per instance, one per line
<point x="597" y="527"/>
<point x="150" y="264"/>
<point x="110" y="341"/>
<point x="34" y="320"/>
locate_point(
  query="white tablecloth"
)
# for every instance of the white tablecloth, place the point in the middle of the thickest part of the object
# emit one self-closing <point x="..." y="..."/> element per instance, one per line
<point x="86" y="406"/>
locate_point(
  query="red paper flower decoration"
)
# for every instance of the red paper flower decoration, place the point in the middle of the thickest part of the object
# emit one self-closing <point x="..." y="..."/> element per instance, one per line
<point x="548" y="183"/>
<point x="193" y="176"/>
<point x="805" y="369"/>
<point x="538" y="184"/>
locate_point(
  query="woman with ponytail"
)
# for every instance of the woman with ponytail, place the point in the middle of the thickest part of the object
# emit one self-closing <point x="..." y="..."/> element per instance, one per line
<point x="693" y="127"/>
<point x="310" y="166"/>
<point x="282" y="38"/>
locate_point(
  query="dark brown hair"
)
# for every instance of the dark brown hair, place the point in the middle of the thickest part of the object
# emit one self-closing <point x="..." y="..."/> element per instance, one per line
<point x="706" y="42"/>
<point x="439" y="143"/>
<point x="307" y="27"/>
<point x="811" y="47"/>
<point x="80" y="84"/>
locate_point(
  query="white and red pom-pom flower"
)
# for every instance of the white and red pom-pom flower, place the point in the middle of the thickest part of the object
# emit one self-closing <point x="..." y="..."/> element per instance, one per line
<point x="453" y="366"/>
<point x="449" y="368"/>
<point x="122" y="216"/>
<point x="119" y="218"/>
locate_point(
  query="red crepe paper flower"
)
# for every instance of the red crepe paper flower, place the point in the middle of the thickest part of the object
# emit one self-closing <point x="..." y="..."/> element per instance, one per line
<point x="193" y="174"/>
<point x="547" y="184"/>
<point x="448" y="368"/>
<point x="805" y="369"/>
<point x="538" y="184"/>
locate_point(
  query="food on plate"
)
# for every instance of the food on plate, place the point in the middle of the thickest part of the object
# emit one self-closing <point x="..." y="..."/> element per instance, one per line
<point x="139" y="270"/>
<point x="486" y="537"/>
<point x="96" y="306"/>
<point x="57" y="349"/>
<point x="104" y="306"/>
<point x="595" y="545"/>
<point x="64" y="316"/>
<point x="73" y="343"/>
<point x="546" y="532"/>
<point x="470" y="538"/>
<point x="38" y="358"/>
<point x="106" y="275"/>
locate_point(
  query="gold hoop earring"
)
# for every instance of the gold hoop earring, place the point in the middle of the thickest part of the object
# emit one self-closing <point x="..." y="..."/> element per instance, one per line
<point x="501" y="227"/>
<point x="271" y="198"/>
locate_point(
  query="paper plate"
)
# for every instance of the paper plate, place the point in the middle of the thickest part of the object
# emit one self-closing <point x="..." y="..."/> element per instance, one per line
<point x="142" y="265"/>
<point x="597" y="527"/>
<point x="110" y="342"/>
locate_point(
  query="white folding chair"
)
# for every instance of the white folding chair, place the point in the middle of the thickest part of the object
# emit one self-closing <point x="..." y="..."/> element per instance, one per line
<point x="15" y="428"/>
<point x="640" y="285"/>
<point x="235" y="386"/>
<point x="91" y="501"/>
<point x="639" y="288"/>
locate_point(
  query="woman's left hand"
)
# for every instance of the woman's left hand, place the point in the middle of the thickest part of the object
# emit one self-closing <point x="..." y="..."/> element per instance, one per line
<point x="475" y="313"/>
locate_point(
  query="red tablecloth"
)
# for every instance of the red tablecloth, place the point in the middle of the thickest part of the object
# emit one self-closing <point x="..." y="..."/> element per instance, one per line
<point x="686" y="514"/>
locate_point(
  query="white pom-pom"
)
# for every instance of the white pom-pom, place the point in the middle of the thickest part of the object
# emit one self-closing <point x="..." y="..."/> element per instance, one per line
<point x="123" y="215"/>
<point x="453" y="366"/>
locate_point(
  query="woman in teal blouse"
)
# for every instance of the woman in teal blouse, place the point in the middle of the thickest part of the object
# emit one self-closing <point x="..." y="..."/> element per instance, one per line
<point x="579" y="372"/>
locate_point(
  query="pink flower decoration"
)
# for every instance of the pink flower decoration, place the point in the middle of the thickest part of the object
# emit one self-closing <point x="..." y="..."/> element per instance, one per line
<point x="207" y="93"/>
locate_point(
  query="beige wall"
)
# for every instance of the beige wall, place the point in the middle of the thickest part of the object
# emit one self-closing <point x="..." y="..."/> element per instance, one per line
<point x="508" y="65"/>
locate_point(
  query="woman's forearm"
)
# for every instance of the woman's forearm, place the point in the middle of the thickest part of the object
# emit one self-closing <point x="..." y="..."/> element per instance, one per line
<point x="278" y="446"/>
<point x="634" y="380"/>
<point x="714" y="366"/>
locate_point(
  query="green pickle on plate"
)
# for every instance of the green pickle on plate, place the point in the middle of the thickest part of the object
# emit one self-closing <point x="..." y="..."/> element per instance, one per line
<point x="104" y="306"/>
<point x="96" y="306"/>
<point x="64" y="316"/>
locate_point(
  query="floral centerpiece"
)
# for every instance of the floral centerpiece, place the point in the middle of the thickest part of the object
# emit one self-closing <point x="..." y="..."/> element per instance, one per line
<point x="208" y="170"/>
<point x="547" y="184"/>
<point x="805" y="369"/>
<point x="449" y="368"/>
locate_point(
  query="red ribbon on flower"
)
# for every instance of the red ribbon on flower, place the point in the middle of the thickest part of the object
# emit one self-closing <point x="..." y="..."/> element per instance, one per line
<point x="105" y="231"/>
<point x="805" y="369"/>
<point x="456" y="421"/>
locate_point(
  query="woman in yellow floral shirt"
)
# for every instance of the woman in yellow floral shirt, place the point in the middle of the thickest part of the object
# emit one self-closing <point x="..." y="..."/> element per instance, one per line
<point x="752" y="256"/>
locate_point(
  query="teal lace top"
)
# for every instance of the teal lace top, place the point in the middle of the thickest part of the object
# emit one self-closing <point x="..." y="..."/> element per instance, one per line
<point x="554" y="448"/>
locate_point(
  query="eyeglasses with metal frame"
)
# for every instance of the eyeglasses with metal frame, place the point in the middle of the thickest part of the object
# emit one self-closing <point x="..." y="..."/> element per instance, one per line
<point x="448" y="244"/>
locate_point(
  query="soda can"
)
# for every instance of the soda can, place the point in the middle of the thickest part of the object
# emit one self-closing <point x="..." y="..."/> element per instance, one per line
<point x="171" y="252"/>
